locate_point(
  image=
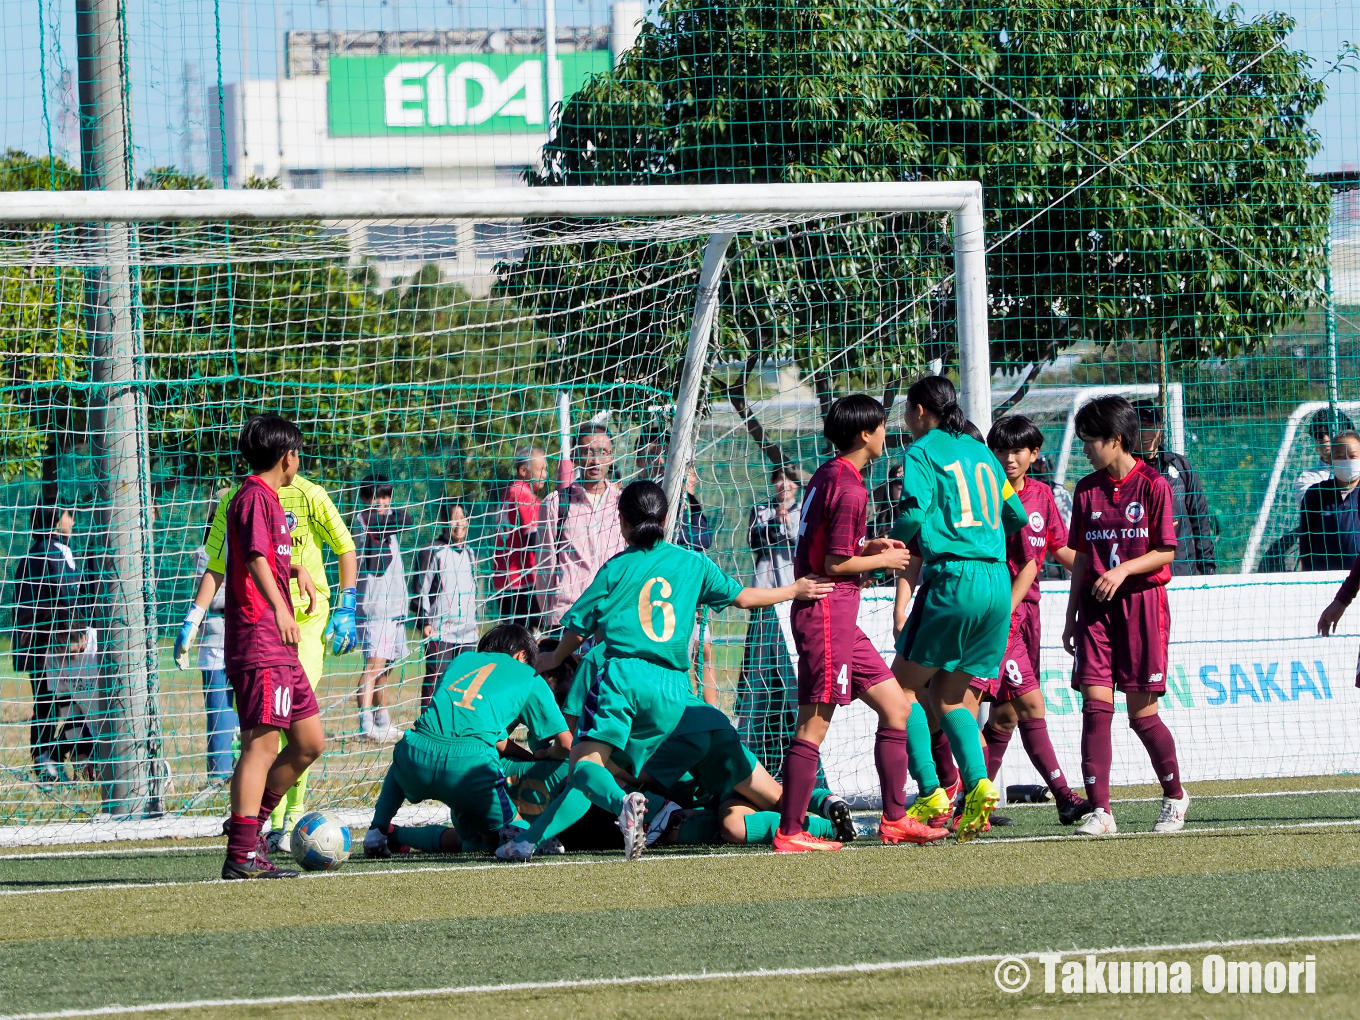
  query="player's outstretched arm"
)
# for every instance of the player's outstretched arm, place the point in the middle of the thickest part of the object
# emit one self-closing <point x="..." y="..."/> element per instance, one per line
<point x="812" y="588"/>
<point x="878" y="554"/>
<point x="565" y="647"/>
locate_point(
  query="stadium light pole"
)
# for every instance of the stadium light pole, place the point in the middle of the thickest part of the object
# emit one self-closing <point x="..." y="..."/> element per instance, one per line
<point x="117" y="415"/>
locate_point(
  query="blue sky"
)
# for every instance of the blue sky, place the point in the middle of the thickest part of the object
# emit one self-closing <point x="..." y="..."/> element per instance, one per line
<point x="167" y="35"/>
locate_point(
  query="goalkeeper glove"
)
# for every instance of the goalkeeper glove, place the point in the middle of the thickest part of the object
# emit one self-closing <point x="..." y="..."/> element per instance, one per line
<point x="341" y="630"/>
<point x="188" y="630"/>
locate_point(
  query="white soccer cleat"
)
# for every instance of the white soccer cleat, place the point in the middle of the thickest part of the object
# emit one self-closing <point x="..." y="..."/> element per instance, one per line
<point x="518" y="851"/>
<point x="1098" y="823"/>
<point x="1172" y="817"/>
<point x="375" y="844"/>
<point x="632" y="824"/>
<point x="661" y="821"/>
<point x="552" y="848"/>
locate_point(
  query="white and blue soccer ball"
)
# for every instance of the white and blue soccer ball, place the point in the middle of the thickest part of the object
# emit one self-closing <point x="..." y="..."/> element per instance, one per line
<point x="320" y="843"/>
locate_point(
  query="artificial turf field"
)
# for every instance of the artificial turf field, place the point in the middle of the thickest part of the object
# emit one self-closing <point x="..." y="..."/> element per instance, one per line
<point x="685" y="932"/>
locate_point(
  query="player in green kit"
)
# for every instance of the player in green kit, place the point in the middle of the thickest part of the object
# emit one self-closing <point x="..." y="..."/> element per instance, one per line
<point x="642" y="605"/>
<point x="452" y="754"/>
<point x="960" y="509"/>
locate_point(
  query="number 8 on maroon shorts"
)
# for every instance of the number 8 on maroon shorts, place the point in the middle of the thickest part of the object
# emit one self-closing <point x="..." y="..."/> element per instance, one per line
<point x="277" y="695"/>
<point x="837" y="662"/>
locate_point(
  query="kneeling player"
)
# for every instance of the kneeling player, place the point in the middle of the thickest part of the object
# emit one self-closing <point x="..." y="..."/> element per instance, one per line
<point x="452" y="754"/>
<point x="1117" y="620"/>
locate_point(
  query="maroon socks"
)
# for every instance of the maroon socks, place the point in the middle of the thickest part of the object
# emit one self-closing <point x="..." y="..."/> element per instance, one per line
<point x="1096" y="753"/>
<point x="1161" y="749"/>
<point x="1034" y="735"/>
<point x="268" y="804"/>
<point x="890" y="758"/>
<point x="996" y="739"/>
<point x="242" y="835"/>
<point x="945" y="766"/>
<point x="800" y="777"/>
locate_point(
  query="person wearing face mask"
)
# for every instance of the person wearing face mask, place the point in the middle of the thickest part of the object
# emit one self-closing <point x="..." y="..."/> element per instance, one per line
<point x="1189" y="505"/>
<point x="1329" y="516"/>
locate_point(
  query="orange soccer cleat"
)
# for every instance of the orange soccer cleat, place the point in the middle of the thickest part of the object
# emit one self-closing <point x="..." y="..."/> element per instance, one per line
<point x="801" y="843"/>
<point x="909" y="830"/>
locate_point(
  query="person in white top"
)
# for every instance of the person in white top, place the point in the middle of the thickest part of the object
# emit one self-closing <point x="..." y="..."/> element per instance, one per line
<point x="217" y="698"/>
<point x="448" y="600"/>
<point x="773" y="532"/>
<point x="383" y="603"/>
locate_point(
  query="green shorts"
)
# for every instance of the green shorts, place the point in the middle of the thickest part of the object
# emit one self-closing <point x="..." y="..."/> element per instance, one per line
<point x="463" y="772"/>
<point x="960" y="619"/>
<point x="716" y="758"/>
<point x="633" y="705"/>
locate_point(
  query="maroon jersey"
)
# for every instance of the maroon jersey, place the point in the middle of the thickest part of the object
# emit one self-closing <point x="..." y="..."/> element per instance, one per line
<point x="1044" y="532"/>
<point x="833" y="520"/>
<point x="256" y="525"/>
<point x="1114" y="521"/>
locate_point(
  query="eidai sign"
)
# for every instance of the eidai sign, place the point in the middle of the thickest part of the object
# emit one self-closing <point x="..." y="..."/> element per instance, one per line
<point x="454" y="93"/>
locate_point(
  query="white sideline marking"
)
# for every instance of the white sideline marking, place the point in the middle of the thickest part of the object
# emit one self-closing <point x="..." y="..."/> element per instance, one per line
<point x="675" y="857"/>
<point x="647" y="979"/>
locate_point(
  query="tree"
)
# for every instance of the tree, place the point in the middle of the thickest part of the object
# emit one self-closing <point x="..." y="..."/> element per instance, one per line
<point x="1205" y="237"/>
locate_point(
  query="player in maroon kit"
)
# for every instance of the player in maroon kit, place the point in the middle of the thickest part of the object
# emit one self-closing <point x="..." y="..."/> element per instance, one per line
<point x="837" y="662"/>
<point x="262" y="633"/>
<point x="1118" y="624"/>
<point x="1019" y="702"/>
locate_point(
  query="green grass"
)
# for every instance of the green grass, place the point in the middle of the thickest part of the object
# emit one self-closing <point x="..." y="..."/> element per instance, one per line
<point x="148" y="924"/>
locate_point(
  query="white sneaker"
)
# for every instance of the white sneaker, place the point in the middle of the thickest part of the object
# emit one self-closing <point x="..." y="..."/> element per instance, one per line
<point x="630" y="823"/>
<point x="280" y="840"/>
<point x="1098" y="823"/>
<point x="1172" y="818"/>
<point x="375" y="844"/>
<point x="661" y="821"/>
<point x="517" y="850"/>
<point x="391" y="735"/>
<point x="552" y="848"/>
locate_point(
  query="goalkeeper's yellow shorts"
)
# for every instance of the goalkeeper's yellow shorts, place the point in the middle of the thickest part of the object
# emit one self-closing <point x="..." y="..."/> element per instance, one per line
<point x="312" y="649"/>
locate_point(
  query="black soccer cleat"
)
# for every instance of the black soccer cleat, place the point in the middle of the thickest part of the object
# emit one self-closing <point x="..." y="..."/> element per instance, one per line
<point x="1070" y="811"/>
<point x="1002" y="820"/>
<point x="838" y="814"/>
<point x="256" y="866"/>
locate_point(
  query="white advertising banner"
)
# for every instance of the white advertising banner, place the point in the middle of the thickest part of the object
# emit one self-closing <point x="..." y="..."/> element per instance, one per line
<point x="1253" y="691"/>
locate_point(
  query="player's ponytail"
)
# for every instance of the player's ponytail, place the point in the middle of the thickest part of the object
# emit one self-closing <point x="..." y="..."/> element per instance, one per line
<point x="937" y="395"/>
<point x="643" y="505"/>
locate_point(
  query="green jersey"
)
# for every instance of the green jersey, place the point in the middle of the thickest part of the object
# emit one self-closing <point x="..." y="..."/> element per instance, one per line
<point x="644" y="602"/>
<point x="484" y="696"/>
<point x="958" y="502"/>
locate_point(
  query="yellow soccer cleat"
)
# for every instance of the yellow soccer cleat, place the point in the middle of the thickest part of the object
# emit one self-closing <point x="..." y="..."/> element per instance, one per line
<point x="924" y="809"/>
<point x="977" y="809"/>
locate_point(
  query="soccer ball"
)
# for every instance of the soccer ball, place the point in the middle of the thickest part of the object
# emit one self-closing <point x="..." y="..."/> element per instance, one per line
<point x="320" y="843"/>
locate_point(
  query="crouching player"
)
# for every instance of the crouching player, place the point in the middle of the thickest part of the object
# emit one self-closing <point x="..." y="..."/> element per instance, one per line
<point x="1118" y="625"/>
<point x="453" y="752"/>
<point x="643" y="604"/>
<point x="1019" y="702"/>
<point x="273" y="696"/>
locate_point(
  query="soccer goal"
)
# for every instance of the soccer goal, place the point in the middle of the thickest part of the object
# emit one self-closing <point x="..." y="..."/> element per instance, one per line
<point x="439" y="342"/>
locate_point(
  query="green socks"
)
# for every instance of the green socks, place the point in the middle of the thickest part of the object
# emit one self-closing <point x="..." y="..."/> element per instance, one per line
<point x="962" y="730"/>
<point x="420" y="837"/>
<point x="698" y="830"/>
<point x="589" y="784"/>
<point x="920" y="763"/>
<point x="761" y="826"/>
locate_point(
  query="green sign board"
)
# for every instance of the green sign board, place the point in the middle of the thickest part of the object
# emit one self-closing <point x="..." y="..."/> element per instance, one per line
<point x="454" y="93"/>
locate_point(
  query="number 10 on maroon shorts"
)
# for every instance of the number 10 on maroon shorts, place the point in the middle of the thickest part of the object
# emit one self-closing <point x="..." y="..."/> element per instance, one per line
<point x="837" y="662"/>
<point x="276" y="695"/>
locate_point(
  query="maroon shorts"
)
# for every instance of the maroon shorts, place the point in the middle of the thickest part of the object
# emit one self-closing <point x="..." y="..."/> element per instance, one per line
<point x="985" y="687"/>
<point x="837" y="662"/>
<point x="1123" y="643"/>
<point x="1020" y="667"/>
<point x="273" y="696"/>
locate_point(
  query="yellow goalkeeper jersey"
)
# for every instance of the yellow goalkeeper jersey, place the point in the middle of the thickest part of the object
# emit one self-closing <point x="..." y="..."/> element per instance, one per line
<point x="312" y="517"/>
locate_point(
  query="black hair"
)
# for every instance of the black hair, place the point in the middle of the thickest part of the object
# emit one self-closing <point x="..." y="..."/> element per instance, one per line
<point x="1107" y="418"/>
<point x="1014" y="432"/>
<point x="937" y="395"/>
<point x="643" y="505"/>
<point x="375" y="487"/>
<point x="1341" y="437"/>
<point x="1149" y="413"/>
<point x="785" y="473"/>
<point x="266" y="438"/>
<point x="588" y="430"/>
<point x="973" y="432"/>
<point x="850" y="416"/>
<point x="507" y="639"/>
<point x="559" y="679"/>
<point x="1325" y="423"/>
<point x="45" y="518"/>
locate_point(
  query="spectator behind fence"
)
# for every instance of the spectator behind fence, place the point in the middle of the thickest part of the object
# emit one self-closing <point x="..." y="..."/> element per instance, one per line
<point x="516" y="528"/>
<point x="578" y="528"/>
<point x="1322" y="425"/>
<point x="49" y="624"/>
<point x="888" y="501"/>
<point x="1189" y="505"/>
<point x="382" y="603"/>
<point x="773" y="532"/>
<point x="220" y="715"/>
<point x="1329" y="517"/>
<point x="448" y="599"/>
<point x="693" y="530"/>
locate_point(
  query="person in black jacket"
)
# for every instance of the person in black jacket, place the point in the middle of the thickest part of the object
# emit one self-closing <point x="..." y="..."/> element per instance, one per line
<point x="49" y="623"/>
<point x="1329" y="516"/>
<point x="1189" y="504"/>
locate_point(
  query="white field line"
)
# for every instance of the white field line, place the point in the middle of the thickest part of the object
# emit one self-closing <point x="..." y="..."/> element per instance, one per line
<point x="678" y="857"/>
<point x="659" y="979"/>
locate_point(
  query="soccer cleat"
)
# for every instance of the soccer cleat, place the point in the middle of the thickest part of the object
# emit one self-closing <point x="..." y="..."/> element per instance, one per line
<point x="632" y="824"/>
<point x="552" y="847"/>
<point x="837" y="812"/>
<point x="1172" y="817"/>
<point x="279" y="840"/>
<point x="801" y="843"/>
<point x="1070" y="811"/>
<point x="254" y="866"/>
<point x="954" y="792"/>
<point x="908" y="830"/>
<point x="669" y="815"/>
<point x="517" y="850"/>
<point x="977" y="809"/>
<point x="934" y="809"/>
<point x="1098" y="823"/>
